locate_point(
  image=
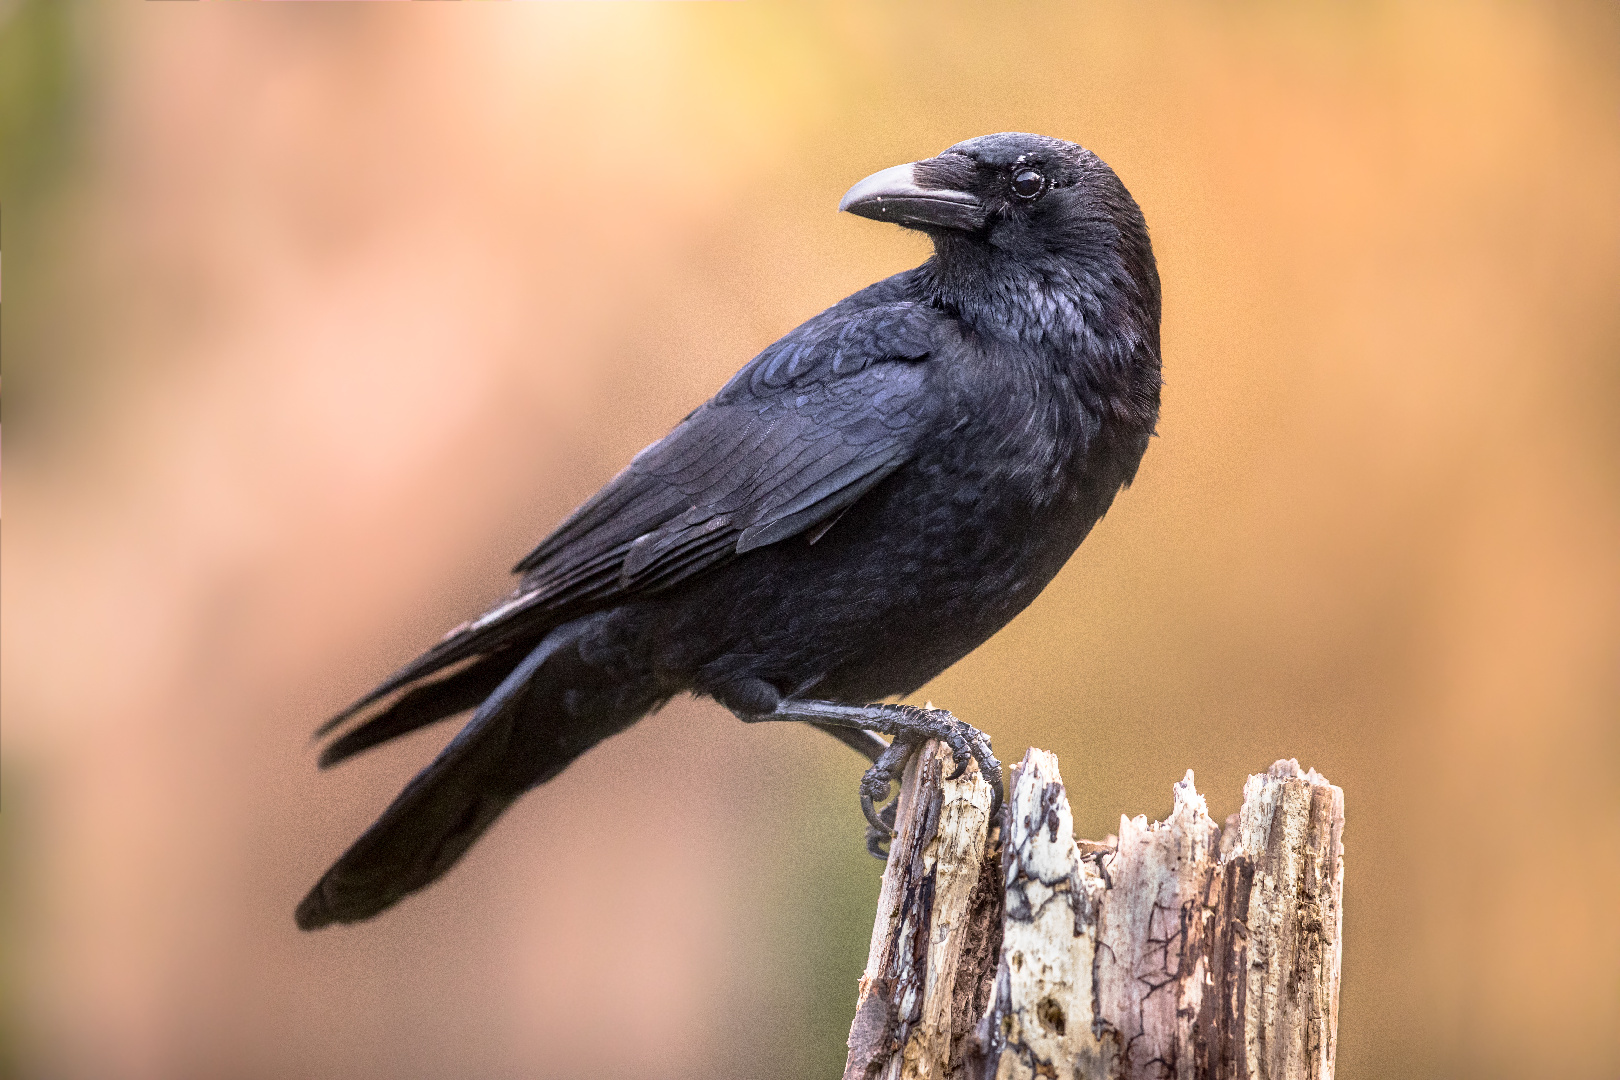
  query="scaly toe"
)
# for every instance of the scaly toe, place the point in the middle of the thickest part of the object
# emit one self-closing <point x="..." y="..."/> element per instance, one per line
<point x="872" y="815"/>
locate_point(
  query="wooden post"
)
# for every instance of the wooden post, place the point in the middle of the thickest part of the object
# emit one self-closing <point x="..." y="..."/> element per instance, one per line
<point x="1176" y="949"/>
<point x="934" y="942"/>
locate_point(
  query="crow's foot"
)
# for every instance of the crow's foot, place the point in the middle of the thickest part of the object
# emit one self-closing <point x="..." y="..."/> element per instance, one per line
<point x="886" y="770"/>
<point x="909" y="727"/>
<point x="877" y="836"/>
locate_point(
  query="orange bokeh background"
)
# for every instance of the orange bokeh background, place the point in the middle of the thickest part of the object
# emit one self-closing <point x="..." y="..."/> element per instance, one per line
<point x="321" y="316"/>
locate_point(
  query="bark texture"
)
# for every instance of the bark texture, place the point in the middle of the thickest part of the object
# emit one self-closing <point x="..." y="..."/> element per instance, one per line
<point x="938" y="924"/>
<point x="1175" y="949"/>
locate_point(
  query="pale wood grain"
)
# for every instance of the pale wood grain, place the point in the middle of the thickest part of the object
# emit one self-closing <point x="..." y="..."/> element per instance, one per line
<point x="1175" y="949"/>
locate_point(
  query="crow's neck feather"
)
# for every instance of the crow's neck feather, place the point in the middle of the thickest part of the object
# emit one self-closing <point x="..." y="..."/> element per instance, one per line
<point x="1095" y="313"/>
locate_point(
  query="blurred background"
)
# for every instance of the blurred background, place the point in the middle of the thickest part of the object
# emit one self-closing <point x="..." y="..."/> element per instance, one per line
<point x="321" y="316"/>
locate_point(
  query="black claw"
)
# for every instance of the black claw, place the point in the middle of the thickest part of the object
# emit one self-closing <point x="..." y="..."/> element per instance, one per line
<point x="872" y="815"/>
<point x="875" y="783"/>
<point x="875" y="786"/>
<point x="909" y="727"/>
<point x="961" y="753"/>
<point x="876" y="838"/>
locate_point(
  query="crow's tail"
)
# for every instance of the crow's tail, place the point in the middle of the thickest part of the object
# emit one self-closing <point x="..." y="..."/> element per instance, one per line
<point x="520" y="736"/>
<point x="429" y="703"/>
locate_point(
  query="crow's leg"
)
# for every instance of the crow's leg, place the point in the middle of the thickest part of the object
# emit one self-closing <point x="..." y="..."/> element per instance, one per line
<point x="863" y="742"/>
<point x="910" y="728"/>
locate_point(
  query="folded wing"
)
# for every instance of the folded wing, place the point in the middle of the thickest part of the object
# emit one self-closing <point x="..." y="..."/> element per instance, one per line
<point x="797" y="436"/>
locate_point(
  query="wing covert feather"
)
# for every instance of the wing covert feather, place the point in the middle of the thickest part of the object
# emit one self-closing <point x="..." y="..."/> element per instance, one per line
<point x="796" y="436"/>
<point x="793" y="439"/>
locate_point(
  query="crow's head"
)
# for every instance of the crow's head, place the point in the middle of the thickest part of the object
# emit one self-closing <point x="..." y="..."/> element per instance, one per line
<point x="1032" y="235"/>
<point x="1017" y="192"/>
<point x="1037" y="241"/>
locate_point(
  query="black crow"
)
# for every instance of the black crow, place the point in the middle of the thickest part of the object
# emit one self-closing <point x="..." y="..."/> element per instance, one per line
<point x="864" y="503"/>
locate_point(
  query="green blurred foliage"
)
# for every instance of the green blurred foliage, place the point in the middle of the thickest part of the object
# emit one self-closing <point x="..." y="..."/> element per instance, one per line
<point x="37" y="94"/>
<point x="40" y="87"/>
<point x="38" y="83"/>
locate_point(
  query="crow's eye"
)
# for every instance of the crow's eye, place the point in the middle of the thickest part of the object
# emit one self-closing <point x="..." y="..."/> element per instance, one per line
<point x="1028" y="184"/>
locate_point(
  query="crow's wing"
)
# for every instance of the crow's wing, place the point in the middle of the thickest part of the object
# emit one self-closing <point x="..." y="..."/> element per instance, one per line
<point x="826" y="406"/>
<point x="801" y="432"/>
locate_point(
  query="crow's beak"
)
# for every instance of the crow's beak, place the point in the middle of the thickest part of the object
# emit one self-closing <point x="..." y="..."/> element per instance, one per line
<point x="894" y="195"/>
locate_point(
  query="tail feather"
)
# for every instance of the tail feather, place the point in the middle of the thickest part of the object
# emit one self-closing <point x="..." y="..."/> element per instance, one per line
<point x="439" y="814"/>
<point x="475" y="639"/>
<point x="425" y="705"/>
<point x="547" y="706"/>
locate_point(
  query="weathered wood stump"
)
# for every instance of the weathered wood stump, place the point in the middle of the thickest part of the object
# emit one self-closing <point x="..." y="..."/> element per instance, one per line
<point x="1177" y="949"/>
